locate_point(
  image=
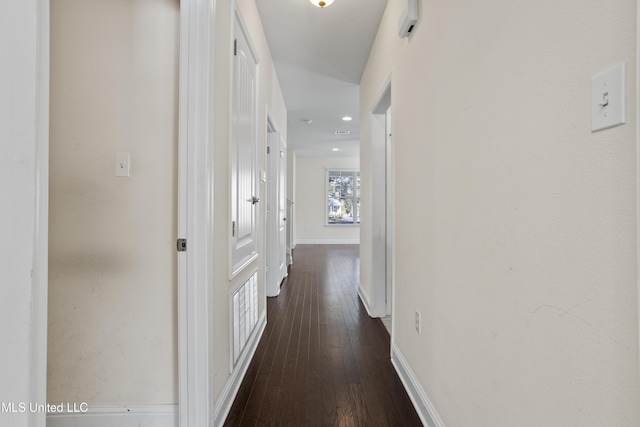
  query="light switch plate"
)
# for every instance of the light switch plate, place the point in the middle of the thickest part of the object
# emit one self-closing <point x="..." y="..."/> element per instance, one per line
<point x="608" y="98"/>
<point x="123" y="164"/>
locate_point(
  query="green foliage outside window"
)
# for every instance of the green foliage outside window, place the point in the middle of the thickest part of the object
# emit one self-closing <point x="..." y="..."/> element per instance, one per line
<point x="343" y="197"/>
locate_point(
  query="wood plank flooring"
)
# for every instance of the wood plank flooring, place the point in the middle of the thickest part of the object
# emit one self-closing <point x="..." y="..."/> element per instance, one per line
<point x="322" y="361"/>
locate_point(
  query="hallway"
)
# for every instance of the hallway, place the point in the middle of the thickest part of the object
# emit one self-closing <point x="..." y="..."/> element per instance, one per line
<point x="322" y="361"/>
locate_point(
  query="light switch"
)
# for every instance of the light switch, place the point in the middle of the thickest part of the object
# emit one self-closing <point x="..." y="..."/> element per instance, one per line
<point x="123" y="164"/>
<point x="608" y="98"/>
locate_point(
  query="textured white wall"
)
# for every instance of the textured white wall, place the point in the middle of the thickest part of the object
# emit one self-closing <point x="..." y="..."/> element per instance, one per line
<point x="310" y="207"/>
<point x="520" y="250"/>
<point x="114" y="87"/>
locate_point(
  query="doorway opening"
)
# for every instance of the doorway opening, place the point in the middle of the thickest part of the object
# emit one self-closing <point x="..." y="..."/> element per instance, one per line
<point x="276" y="210"/>
<point x="382" y="208"/>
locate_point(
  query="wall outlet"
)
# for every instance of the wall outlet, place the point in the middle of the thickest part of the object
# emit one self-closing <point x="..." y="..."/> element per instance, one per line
<point x="418" y="322"/>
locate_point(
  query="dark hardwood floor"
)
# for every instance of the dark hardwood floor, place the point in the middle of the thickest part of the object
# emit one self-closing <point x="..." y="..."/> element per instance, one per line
<point x="322" y="361"/>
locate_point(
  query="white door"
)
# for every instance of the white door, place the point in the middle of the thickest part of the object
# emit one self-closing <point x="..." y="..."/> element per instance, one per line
<point x="282" y="212"/>
<point x="272" y="218"/>
<point x="244" y="248"/>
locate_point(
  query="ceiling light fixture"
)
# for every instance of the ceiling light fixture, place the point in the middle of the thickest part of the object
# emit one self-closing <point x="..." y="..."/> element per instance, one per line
<point x="347" y="118"/>
<point x="335" y="149"/>
<point x="321" y="3"/>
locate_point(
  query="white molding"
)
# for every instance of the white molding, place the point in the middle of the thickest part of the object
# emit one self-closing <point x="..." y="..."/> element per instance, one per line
<point x="271" y="199"/>
<point x="231" y="387"/>
<point x="116" y="415"/>
<point x="425" y="409"/>
<point x="195" y="216"/>
<point x="637" y="112"/>
<point x="366" y="301"/>
<point x="364" y="297"/>
<point x="327" y="242"/>
<point x="381" y="287"/>
<point x="244" y="263"/>
<point x="40" y="282"/>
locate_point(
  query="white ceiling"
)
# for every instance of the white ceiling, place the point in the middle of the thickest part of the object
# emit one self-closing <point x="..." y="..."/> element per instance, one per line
<point x="319" y="55"/>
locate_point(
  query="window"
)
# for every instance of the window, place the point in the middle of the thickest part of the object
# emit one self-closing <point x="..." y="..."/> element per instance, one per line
<point x="343" y="197"/>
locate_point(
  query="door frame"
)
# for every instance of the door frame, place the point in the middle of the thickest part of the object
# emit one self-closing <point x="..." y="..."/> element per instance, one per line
<point x="282" y="203"/>
<point x="37" y="364"/>
<point x="195" y="213"/>
<point x="271" y="230"/>
<point x="382" y="212"/>
<point x="638" y="161"/>
<point x="390" y="209"/>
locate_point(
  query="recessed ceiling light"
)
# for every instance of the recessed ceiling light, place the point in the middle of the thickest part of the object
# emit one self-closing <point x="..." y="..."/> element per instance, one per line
<point x="347" y="118"/>
<point x="343" y="132"/>
<point x="335" y="149"/>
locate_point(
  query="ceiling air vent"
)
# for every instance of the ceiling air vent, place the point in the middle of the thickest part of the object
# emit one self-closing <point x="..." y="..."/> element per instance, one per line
<point x="343" y="132"/>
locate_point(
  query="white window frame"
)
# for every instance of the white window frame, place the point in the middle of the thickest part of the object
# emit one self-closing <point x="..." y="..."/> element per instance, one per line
<point x="356" y="198"/>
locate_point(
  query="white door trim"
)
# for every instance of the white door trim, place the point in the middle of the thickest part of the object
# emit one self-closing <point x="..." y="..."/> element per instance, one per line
<point x="380" y="236"/>
<point x="390" y="210"/>
<point x="638" y="159"/>
<point x="195" y="218"/>
<point x="195" y="213"/>
<point x="282" y="210"/>
<point x="271" y="229"/>
<point x="40" y="282"/>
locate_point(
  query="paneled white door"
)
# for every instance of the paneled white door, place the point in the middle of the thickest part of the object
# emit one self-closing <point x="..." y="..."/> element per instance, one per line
<point x="244" y="248"/>
<point x="272" y="216"/>
<point x="277" y="213"/>
<point x="282" y="211"/>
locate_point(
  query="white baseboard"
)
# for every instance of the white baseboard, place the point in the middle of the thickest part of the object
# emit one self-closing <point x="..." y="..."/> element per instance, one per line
<point x="231" y="387"/>
<point x="116" y="415"/>
<point x="328" y="242"/>
<point x="364" y="297"/>
<point x="425" y="409"/>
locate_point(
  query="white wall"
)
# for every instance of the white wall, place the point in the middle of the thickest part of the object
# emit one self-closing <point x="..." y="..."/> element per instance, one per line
<point x="311" y="198"/>
<point x="113" y="303"/>
<point x="515" y="225"/>
<point x="23" y="211"/>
